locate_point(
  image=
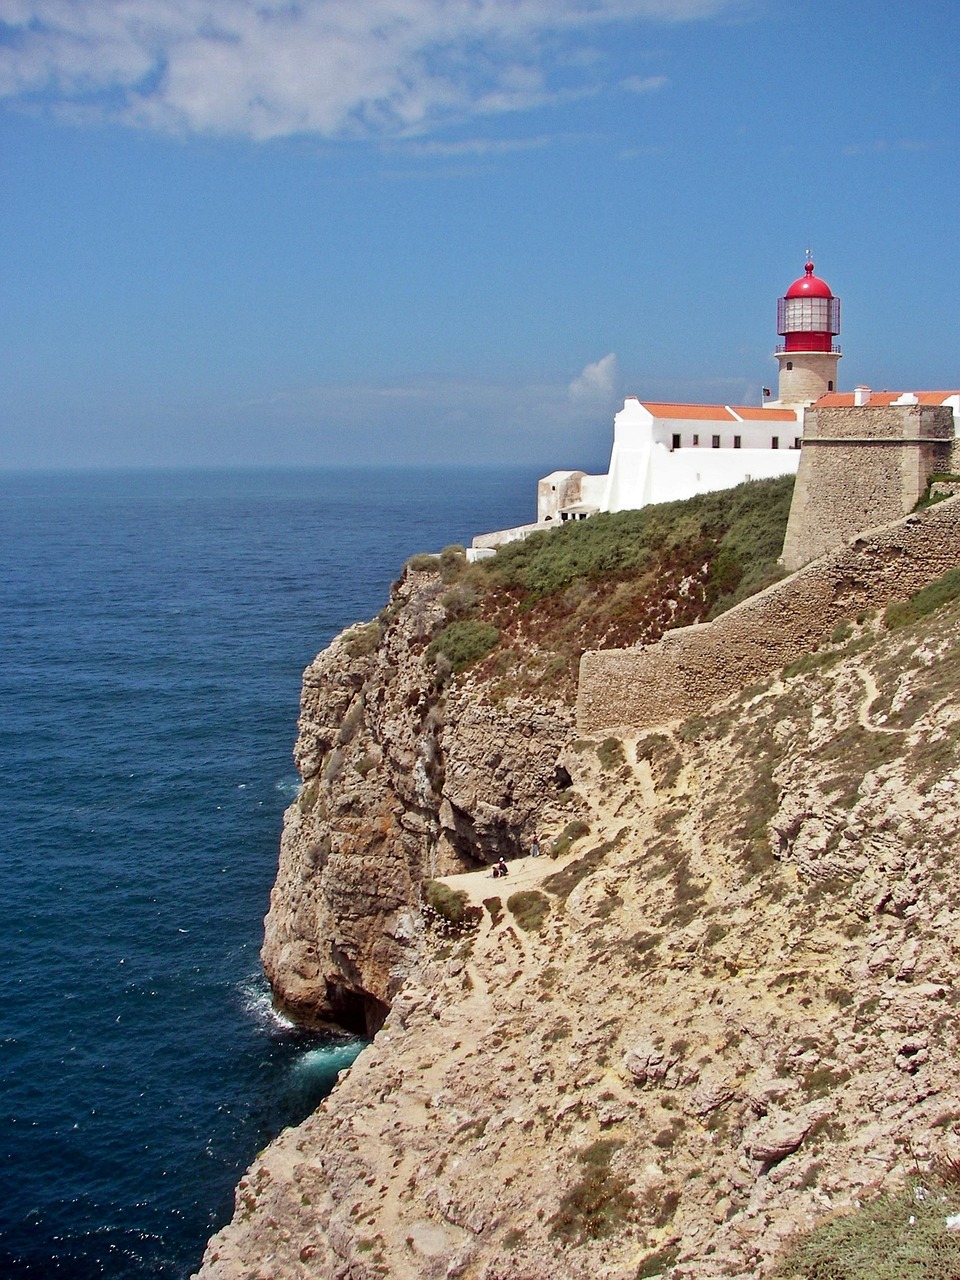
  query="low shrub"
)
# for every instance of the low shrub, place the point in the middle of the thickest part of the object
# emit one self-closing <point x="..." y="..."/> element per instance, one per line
<point x="451" y="904"/>
<point x="308" y="795"/>
<point x="562" y="883"/>
<point x="663" y="757"/>
<point x="362" y="638"/>
<point x="897" y="1236"/>
<point x="453" y="561"/>
<point x="463" y="643"/>
<point x="610" y="753"/>
<point x="424" y="563"/>
<point x="946" y="479"/>
<point x="934" y="596"/>
<point x="572" y="832"/>
<point x="658" y="1264"/>
<point x="530" y="908"/>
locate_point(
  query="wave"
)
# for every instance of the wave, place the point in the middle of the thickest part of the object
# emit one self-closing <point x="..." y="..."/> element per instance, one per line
<point x="323" y="1065"/>
<point x="257" y="1004"/>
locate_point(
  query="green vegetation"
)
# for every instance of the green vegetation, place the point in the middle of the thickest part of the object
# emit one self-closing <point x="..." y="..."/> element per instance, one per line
<point x="463" y="643"/>
<point x="663" y="758"/>
<point x="362" y="638"/>
<point x="424" y="563"/>
<point x="740" y="531"/>
<point x="562" y="883"/>
<point x="453" y="561"/>
<point x="526" y="615"/>
<point x="899" y="1236"/>
<point x="451" y="904"/>
<point x="530" y="908"/>
<point x="308" y="795"/>
<point x="927" y="600"/>
<point x="610" y="753"/>
<point x="572" y="832"/>
<point x="930" y="498"/>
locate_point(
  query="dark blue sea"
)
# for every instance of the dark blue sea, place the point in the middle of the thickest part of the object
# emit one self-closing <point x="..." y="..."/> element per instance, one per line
<point x="154" y="629"/>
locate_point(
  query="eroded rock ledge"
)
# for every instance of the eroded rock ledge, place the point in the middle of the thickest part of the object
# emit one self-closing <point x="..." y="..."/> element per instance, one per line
<point x="403" y="779"/>
<point x="737" y="1014"/>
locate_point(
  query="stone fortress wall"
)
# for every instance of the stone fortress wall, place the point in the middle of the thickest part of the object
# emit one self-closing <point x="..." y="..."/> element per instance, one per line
<point x="692" y="668"/>
<point x="860" y="467"/>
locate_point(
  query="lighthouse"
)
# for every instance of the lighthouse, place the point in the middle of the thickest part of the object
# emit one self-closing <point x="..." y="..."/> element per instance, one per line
<point x="808" y="320"/>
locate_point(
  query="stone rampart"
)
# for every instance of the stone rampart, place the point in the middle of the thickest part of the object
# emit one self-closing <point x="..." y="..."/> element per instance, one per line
<point x="860" y="467"/>
<point x="692" y="668"/>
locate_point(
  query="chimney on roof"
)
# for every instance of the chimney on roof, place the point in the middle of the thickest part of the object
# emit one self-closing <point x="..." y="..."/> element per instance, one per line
<point x="860" y="396"/>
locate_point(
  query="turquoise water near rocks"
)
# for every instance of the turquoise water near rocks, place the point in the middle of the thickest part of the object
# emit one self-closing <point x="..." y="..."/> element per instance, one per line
<point x="155" y="626"/>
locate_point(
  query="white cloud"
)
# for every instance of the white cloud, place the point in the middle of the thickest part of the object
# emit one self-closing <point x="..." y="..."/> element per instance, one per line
<point x="598" y="382"/>
<point x="644" y="84"/>
<point x="333" y="68"/>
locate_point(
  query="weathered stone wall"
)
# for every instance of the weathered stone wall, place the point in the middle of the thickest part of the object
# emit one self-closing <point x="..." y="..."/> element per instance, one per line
<point x="813" y="374"/>
<point x="692" y="668"/>
<point x="860" y="467"/>
<point x="558" y="489"/>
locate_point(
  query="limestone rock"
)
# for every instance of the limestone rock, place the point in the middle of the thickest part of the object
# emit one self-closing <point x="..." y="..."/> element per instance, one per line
<point x="734" y="1019"/>
<point x="402" y="781"/>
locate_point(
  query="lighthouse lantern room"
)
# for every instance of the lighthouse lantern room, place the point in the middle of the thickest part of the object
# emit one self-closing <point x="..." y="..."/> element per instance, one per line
<point x="808" y="319"/>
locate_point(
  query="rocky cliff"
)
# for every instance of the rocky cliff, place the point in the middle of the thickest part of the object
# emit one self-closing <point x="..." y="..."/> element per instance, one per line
<point x="726" y="1011"/>
<point x="408" y="773"/>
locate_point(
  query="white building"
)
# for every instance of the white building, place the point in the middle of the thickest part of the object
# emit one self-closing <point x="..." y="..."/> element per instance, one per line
<point x="663" y="452"/>
<point x="667" y="451"/>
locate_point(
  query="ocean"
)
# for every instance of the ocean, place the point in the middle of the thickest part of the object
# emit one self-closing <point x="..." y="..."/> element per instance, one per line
<point x="155" y="626"/>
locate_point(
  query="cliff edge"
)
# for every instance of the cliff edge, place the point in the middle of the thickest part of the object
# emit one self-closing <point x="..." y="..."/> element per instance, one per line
<point x="723" y="1012"/>
<point x="408" y="773"/>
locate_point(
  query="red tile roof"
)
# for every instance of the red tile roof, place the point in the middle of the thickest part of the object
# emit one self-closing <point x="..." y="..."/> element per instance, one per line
<point x="718" y="412"/>
<point x="845" y="399"/>
<point x="755" y="413"/>
<point x="692" y="412"/>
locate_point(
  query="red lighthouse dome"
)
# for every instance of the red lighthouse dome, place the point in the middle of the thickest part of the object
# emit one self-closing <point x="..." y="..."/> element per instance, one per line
<point x="808" y="315"/>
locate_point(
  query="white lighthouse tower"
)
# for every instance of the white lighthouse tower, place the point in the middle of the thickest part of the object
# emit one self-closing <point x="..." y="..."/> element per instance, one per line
<point x="808" y="320"/>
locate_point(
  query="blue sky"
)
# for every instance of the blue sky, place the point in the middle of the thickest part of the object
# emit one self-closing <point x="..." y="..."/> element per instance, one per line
<point x="353" y="231"/>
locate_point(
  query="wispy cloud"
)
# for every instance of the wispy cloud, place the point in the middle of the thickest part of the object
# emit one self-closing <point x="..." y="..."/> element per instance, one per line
<point x="332" y="68"/>
<point x="644" y="84"/>
<point x="597" y="383"/>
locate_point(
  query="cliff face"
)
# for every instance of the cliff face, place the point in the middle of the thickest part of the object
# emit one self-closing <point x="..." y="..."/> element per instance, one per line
<point x="403" y="779"/>
<point x="727" y="1012"/>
